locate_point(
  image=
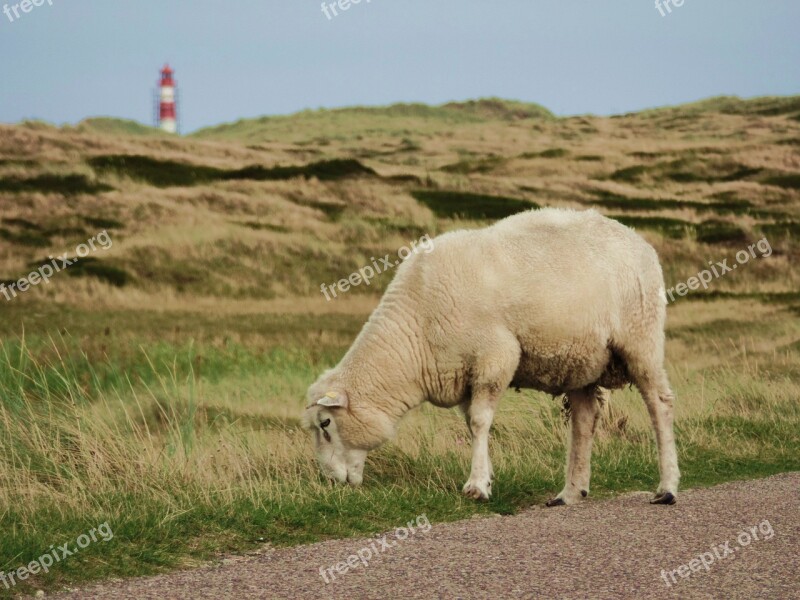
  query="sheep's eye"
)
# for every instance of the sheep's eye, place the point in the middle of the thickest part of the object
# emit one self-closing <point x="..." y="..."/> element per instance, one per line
<point x="325" y="423"/>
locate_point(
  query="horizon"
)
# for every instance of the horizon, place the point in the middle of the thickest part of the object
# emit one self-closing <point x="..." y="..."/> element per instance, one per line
<point x="86" y="59"/>
<point x="379" y="106"/>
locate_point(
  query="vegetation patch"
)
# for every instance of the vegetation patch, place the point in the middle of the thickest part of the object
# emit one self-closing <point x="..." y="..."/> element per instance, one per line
<point x="18" y="162"/>
<point x="24" y="237"/>
<point x="671" y="228"/>
<point x="404" y="178"/>
<point x="324" y="170"/>
<point x="789" y="181"/>
<point x="168" y="173"/>
<point x="394" y="225"/>
<point x="481" y="165"/>
<point x="785" y="229"/>
<point x="103" y="223"/>
<point x="50" y="183"/>
<point x="715" y="231"/>
<point x="156" y="172"/>
<point x="94" y="267"/>
<point x="728" y="206"/>
<point x="549" y="153"/>
<point x="265" y="227"/>
<point x="629" y="174"/>
<point x="332" y="210"/>
<point x="117" y="127"/>
<point x="685" y="170"/>
<point x="466" y="205"/>
<point x="645" y="155"/>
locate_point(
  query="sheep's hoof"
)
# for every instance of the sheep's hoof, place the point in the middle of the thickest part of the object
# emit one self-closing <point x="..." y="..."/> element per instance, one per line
<point x="555" y="502"/>
<point x="664" y="498"/>
<point x="474" y="491"/>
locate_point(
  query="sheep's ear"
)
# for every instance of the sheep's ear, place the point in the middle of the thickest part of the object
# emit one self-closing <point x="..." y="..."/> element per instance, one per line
<point x="333" y="399"/>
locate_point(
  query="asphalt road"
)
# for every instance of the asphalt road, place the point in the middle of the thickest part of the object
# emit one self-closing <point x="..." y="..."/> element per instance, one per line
<point x="620" y="548"/>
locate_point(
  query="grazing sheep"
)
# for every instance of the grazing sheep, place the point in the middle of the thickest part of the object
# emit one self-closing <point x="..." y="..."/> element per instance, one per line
<point x="554" y="300"/>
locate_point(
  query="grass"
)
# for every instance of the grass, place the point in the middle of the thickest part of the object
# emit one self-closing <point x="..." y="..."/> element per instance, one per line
<point x="94" y="267"/>
<point x="50" y="183"/>
<point x="671" y="228"/>
<point x="712" y="231"/>
<point x="553" y="153"/>
<point x="480" y="165"/>
<point x="715" y="231"/>
<point x="159" y="387"/>
<point x="189" y="449"/>
<point x="452" y="205"/>
<point x="155" y="172"/>
<point x="788" y="180"/>
<point x="688" y="170"/>
<point x="168" y="173"/>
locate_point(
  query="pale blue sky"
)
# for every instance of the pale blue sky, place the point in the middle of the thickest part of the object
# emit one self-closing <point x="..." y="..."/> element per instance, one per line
<point x="80" y="58"/>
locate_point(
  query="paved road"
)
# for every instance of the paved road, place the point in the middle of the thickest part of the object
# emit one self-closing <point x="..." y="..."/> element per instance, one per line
<point x="602" y="549"/>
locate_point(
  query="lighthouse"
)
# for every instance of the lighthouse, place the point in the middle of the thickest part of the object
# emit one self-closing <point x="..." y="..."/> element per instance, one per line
<point x="166" y="102"/>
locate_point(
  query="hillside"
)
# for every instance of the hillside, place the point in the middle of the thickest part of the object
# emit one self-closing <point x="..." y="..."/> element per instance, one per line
<point x="193" y="219"/>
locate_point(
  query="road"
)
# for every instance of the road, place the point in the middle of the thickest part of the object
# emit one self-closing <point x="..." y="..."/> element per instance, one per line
<point x="746" y="533"/>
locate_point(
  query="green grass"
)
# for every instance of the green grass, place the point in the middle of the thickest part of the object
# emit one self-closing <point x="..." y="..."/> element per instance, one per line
<point x="466" y="205"/>
<point x="188" y="449"/>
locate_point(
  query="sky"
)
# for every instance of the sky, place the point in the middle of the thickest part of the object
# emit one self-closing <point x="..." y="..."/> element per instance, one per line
<point x="70" y="59"/>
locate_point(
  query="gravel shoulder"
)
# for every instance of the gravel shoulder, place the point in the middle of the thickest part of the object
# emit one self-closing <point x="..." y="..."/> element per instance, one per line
<point x="614" y="548"/>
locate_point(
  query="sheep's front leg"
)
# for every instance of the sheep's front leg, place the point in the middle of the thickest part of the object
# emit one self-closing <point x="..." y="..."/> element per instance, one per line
<point x="480" y="415"/>
<point x="585" y="408"/>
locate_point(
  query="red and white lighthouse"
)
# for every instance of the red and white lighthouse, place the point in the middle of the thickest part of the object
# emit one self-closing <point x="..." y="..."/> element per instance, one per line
<point x="167" y="118"/>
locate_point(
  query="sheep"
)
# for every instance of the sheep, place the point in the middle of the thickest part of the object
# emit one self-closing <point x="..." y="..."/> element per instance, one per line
<point x="560" y="301"/>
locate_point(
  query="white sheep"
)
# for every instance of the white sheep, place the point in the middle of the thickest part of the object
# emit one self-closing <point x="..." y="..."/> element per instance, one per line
<point x="559" y="301"/>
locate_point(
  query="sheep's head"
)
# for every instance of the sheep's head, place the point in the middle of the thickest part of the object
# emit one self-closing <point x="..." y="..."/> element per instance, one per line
<point x="338" y="459"/>
<point x="343" y="431"/>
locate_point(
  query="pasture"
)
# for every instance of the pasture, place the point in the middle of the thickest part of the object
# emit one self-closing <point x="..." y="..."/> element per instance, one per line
<point x="158" y="385"/>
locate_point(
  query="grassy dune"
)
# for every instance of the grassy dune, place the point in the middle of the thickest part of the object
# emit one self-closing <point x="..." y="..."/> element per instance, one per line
<point x="159" y="386"/>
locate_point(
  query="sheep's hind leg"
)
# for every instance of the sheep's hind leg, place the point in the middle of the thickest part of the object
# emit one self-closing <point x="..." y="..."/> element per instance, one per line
<point x="654" y="387"/>
<point x="585" y="408"/>
<point x="659" y="405"/>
